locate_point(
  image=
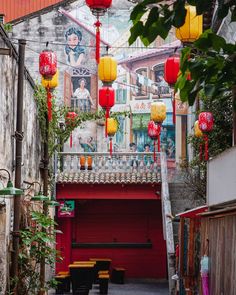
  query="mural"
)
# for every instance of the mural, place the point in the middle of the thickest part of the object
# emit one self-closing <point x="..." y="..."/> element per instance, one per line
<point x="80" y="85"/>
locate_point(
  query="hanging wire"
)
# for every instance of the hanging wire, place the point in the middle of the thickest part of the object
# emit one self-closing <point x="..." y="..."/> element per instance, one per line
<point x="103" y="46"/>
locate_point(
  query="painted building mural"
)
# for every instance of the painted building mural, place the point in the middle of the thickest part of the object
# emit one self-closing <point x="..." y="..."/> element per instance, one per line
<point x="78" y="82"/>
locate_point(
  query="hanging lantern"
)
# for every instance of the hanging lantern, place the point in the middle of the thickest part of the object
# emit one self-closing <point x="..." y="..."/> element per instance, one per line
<point x="198" y="133"/>
<point x="53" y="83"/>
<point x="49" y="85"/>
<point x="192" y="28"/>
<point x="206" y="122"/>
<point x="171" y="69"/>
<point x="47" y="64"/>
<point x="98" y="8"/>
<point x="154" y="132"/>
<point x="106" y="101"/>
<point x="112" y="127"/>
<point x="71" y="121"/>
<point x="107" y="69"/>
<point x="158" y="111"/>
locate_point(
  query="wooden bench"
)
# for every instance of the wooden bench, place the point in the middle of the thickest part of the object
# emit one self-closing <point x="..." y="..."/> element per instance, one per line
<point x="103" y="283"/>
<point x="118" y="275"/>
<point x="101" y="264"/>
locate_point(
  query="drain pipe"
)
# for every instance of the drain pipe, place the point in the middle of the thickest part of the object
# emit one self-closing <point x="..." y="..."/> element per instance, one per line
<point x="18" y="160"/>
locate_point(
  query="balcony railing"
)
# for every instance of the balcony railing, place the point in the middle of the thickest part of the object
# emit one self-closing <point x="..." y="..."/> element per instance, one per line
<point x="104" y="162"/>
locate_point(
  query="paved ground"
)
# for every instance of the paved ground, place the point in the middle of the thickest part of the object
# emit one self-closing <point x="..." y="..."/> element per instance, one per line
<point x="134" y="288"/>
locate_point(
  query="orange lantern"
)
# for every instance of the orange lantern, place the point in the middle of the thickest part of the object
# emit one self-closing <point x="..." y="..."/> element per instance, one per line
<point x="192" y="28"/>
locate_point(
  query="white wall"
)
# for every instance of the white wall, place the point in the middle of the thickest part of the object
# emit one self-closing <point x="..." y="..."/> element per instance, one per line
<point x="221" y="178"/>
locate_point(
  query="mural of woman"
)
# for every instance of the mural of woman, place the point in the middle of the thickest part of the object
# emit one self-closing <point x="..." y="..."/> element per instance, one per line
<point x="82" y="97"/>
<point x="75" y="52"/>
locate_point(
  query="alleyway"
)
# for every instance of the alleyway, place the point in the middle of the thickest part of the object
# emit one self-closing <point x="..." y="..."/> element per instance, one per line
<point x="134" y="288"/>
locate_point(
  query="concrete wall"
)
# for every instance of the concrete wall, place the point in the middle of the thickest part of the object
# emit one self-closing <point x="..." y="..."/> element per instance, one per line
<point x="221" y="183"/>
<point x="31" y="145"/>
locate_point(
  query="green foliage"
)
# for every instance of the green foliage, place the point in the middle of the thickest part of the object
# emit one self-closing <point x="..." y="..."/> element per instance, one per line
<point x="8" y="27"/>
<point x="211" y="62"/>
<point x="57" y="136"/>
<point x="153" y="18"/>
<point x="37" y="241"/>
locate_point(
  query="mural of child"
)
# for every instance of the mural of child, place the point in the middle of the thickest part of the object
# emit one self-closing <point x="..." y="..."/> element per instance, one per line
<point x="75" y="53"/>
<point x="82" y="97"/>
<point x="89" y="145"/>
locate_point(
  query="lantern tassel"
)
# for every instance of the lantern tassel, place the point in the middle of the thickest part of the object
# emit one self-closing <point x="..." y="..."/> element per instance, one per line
<point x="97" y="25"/>
<point x="107" y="116"/>
<point x="159" y="143"/>
<point x="174" y="110"/>
<point x="154" y="152"/>
<point x="71" y="140"/>
<point x="110" y="146"/>
<point x="49" y="104"/>
<point x="206" y="147"/>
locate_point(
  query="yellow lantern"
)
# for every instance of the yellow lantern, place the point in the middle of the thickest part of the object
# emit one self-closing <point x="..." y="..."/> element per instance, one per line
<point x="192" y="28"/>
<point x="107" y="69"/>
<point x="158" y="111"/>
<point x="112" y="127"/>
<point x="53" y="83"/>
<point x="197" y="132"/>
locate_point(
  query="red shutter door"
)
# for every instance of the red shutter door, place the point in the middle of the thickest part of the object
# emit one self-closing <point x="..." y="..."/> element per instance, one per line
<point x="129" y="232"/>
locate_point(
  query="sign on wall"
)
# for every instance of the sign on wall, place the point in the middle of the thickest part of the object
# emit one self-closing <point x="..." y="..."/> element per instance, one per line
<point x="66" y="208"/>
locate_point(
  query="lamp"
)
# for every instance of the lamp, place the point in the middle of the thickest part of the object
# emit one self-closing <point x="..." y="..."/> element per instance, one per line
<point x="39" y="196"/>
<point x="10" y="189"/>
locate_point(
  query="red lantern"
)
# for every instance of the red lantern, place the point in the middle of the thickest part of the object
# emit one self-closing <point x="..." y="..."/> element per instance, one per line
<point x="98" y="8"/>
<point x="206" y="122"/>
<point x="47" y="64"/>
<point x="171" y="69"/>
<point x="107" y="101"/>
<point x="154" y="132"/>
<point x="70" y="120"/>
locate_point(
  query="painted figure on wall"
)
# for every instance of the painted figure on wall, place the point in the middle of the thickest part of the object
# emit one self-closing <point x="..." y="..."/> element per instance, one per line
<point x="88" y="145"/>
<point x="74" y="51"/>
<point x="82" y="98"/>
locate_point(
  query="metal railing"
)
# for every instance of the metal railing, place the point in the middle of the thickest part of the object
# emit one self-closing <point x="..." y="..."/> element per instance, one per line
<point x="104" y="162"/>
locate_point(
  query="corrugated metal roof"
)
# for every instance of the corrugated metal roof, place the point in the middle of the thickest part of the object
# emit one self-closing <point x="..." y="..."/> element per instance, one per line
<point x="14" y="9"/>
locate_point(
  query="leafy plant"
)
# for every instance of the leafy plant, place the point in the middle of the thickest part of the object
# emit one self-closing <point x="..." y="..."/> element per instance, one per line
<point x="37" y="240"/>
<point x="153" y="18"/>
<point x="211" y="62"/>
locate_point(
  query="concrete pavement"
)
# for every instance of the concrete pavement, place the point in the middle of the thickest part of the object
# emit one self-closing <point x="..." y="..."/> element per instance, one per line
<point x="137" y="287"/>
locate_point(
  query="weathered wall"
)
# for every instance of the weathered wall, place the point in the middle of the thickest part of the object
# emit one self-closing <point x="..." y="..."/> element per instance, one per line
<point x="31" y="144"/>
<point x="56" y="27"/>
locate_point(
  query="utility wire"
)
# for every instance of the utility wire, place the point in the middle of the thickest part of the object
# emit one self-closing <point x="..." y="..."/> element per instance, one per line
<point x="103" y="46"/>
